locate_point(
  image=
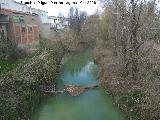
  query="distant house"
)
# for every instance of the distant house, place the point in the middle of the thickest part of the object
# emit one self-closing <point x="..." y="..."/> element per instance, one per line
<point x="58" y="23"/>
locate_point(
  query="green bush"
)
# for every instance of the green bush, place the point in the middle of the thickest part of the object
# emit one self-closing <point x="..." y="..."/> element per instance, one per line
<point x="9" y="50"/>
<point x="21" y="89"/>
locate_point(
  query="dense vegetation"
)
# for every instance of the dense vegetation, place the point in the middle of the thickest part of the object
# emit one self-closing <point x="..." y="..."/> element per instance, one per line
<point x="9" y="50"/>
<point x="22" y="88"/>
<point x="128" y="53"/>
<point x="25" y="78"/>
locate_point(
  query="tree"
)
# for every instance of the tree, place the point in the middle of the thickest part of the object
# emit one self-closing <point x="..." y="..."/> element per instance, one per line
<point x="133" y="26"/>
<point x="125" y="26"/>
<point x="71" y="17"/>
<point x="76" y="19"/>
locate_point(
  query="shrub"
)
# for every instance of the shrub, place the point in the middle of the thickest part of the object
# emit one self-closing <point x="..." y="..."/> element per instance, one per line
<point x="21" y="89"/>
<point x="9" y="50"/>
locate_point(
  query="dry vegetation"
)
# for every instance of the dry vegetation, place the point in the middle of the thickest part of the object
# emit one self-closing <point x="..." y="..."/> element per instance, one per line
<point x="138" y="99"/>
<point x="129" y="56"/>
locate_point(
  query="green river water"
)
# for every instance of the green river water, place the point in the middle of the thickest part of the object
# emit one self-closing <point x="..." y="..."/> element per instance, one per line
<point x="94" y="104"/>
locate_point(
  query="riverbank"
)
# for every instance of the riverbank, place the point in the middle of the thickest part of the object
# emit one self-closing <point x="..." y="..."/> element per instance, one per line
<point x="137" y="99"/>
<point x="22" y="89"/>
<point x="125" y="94"/>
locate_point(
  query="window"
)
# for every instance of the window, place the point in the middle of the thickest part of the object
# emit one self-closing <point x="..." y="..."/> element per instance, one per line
<point x="23" y="29"/>
<point x="21" y="19"/>
<point x="33" y="19"/>
<point x="30" y="29"/>
<point x="22" y="8"/>
<point x="3" y="4"/>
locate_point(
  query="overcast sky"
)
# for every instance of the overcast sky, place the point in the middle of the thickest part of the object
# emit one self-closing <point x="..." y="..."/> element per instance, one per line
<point x="54" y="10"/>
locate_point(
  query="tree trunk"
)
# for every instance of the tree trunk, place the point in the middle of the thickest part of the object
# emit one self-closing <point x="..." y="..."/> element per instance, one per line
<point x="134" y="42"/>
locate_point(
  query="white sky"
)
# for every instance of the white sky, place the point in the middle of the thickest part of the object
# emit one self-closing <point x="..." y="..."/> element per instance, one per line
<point x="54" y="10"/>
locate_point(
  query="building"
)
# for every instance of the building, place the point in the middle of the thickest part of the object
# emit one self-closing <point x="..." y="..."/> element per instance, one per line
<point x="19" y="7"/>
<point x="23" y="24"/>
<point x="26" y="28"/>
<point x="58" y="23"/>
<point x="21" y="17"/>
<point x="19" y="25"/>
<point x="15" y="6"/>
<point x="44" y="25"/>
<point x="43" y="15"/>
<point x="4" y="20"/>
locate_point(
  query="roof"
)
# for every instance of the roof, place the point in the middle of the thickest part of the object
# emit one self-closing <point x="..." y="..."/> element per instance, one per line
<point x="39" y="10"/>
<point x="29" y="7"/>
<point x="20" y="3"/>
<point x="51" y="17"/>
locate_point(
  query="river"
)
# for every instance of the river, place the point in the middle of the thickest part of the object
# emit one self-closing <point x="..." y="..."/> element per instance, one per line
<point x="94" y="104"/>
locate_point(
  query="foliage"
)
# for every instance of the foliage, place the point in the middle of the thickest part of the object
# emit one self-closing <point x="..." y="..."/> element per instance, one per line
<point x="90" y="31"/>
<point x="76" y="19"/>
<point x="105" y="26"/>
<point x="130" y="63"/>
<point x="22" y="89"/>
<point x="7" y="65"/>
<point x="9" y="50"/>
<point x="43" y="42"/>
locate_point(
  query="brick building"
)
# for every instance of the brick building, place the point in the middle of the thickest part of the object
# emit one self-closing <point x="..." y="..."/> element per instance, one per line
<point x="21" y="27"/>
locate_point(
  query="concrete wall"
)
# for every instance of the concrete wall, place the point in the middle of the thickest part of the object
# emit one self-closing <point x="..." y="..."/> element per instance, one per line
<point x="45" y="30"/>
<point x="43" y="15"/>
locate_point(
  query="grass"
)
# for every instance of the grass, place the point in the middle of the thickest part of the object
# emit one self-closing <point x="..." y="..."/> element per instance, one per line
<point x="7" y="65"/>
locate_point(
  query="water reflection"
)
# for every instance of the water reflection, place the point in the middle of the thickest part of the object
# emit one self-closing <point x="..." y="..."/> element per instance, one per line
<point x="74" y="63"/>
<point x="84" y="77"/>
